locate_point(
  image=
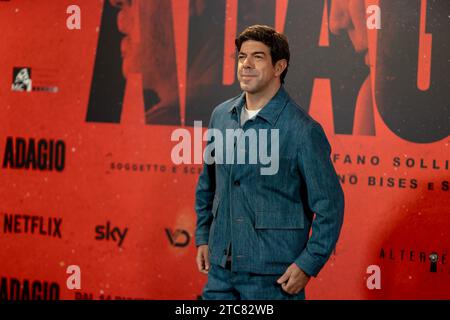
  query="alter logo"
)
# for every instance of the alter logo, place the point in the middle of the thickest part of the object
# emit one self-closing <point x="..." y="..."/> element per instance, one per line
<point x="437" y="261"/>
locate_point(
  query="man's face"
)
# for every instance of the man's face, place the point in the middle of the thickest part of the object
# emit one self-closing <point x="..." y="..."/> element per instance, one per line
<point x="255" y="69"/>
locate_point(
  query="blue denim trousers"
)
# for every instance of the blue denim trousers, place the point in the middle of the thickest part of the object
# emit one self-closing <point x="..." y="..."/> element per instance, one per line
<point x="223" y="284"/>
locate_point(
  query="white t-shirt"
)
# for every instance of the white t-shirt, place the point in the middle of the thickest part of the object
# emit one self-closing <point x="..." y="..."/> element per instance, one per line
<point x="248" y="114"/>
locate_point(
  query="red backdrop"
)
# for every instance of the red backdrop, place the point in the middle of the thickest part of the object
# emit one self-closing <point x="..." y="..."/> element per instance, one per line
<point x="113" y="91"/>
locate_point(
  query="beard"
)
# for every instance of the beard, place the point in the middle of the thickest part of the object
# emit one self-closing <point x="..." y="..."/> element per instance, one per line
<point x="252" y="85"/>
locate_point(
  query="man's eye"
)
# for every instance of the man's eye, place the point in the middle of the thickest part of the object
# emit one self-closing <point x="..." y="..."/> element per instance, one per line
<point x="258" y="57"/>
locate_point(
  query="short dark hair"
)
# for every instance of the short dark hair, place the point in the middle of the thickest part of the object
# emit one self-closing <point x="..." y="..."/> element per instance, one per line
<point x="277" y="42"/>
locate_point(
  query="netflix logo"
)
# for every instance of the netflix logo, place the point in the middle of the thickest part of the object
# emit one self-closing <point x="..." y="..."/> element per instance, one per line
<point x="33" y="225"/>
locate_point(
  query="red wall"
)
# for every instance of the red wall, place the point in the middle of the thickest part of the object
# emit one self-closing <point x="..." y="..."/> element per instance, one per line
<point x="102" y="113"/>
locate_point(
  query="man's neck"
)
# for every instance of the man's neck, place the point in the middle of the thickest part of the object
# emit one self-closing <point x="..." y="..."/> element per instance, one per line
<point x="258" y="100"/>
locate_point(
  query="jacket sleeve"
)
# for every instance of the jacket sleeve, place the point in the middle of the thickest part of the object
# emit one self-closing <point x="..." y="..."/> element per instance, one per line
<point x="325" y="198"/>
<point x="204" y="196"/>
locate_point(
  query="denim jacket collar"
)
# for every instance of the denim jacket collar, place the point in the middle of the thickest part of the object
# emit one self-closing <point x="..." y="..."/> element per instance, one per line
<point x="271" y="111"/>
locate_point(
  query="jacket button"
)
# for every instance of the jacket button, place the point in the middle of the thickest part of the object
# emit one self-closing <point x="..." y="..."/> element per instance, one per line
<point x="237" y="183"/>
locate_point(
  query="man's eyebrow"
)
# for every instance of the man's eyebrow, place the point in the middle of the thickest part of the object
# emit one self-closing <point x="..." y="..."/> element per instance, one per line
<point x="253" y="53"/>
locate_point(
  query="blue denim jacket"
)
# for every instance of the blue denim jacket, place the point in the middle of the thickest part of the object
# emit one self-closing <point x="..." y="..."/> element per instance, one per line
<point x="267" y="219"/>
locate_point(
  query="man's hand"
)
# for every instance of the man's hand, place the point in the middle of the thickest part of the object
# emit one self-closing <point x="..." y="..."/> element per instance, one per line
<point x="203" y="259"/>
<point x="293" y="280"/>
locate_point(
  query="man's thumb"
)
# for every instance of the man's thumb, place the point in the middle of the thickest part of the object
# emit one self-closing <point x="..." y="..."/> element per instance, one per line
<point x="283" y="278"/>
<point x="207" y="264"/>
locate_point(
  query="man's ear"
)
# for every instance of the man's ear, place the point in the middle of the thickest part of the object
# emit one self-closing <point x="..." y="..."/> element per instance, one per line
<point x="280" y="66"/>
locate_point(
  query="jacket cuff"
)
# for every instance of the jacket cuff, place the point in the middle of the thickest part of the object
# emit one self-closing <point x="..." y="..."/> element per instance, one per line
<point x="201" y="238"/>
<point x="308" y="263"/>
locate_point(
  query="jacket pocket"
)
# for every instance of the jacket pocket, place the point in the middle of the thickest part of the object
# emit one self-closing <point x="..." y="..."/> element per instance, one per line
<point x="274" y="219"/>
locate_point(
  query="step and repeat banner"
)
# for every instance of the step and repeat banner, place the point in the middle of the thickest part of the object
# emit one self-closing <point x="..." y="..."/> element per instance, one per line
<point x="92" y="206"/>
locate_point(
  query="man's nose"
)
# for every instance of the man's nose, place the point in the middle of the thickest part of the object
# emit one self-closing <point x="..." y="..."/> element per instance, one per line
<point x="247" y="63"/>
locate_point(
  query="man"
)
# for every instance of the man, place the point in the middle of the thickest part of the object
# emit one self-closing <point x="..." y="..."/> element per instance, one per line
<point x="253" y="229"/>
